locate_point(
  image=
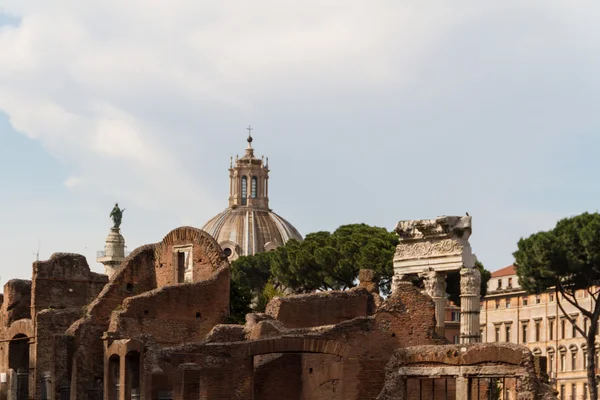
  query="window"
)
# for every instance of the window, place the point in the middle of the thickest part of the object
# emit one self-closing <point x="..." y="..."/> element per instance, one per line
<point x="455" y="316"/>
<point x="573" y="391"/>
<point x="563" y="331"/>
<point x="551" y="297"/>
<point x="573" y="328"/>
<point x="538" y="299"/>
<point x="525" y="298"/>
<point x="585" y="361"/>
<point x="253" y="187"/>
<point x="585" y="391"/>
<point x="550" y="362"/>
<point x="456" y="339"/>
<point x="585" y="325"/>
<point x="497" y="334"/>
<point x="573" y="361"/>
<point x="551" y="329"/>
<point x="499" y="284"/>
<point x="497" y="304"/>
<point x="538" y="328"/>
<point x="244" y="190"/>
<point x="509" y="283"/>
<point x="507" y="333"/>
<point x="524" y="332"/>
<point x="482" y="336"/>
<point x="507" y="302"/>
<point x="563" y="361"/>
<point x="562" y="392"/>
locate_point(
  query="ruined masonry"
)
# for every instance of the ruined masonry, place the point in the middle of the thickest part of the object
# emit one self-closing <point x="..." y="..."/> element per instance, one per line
<point x="430" y="249"/>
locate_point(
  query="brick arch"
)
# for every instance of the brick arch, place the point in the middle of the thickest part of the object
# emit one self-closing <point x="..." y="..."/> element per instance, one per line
<point x="298" y="345"/>
<point x="20" y="327"/>
<point x="210" y="246"/>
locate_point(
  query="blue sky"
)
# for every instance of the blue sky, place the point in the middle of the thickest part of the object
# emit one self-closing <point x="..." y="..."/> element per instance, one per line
<point x="369" y="113"/>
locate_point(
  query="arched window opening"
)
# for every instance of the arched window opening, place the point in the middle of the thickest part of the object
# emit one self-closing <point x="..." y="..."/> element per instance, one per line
<point x="114" y="376"/>
<point x="244" y="190"/>
<point x="18" y="361"/>
<point x="132" y="382"/>
<point x="253" y="187"/>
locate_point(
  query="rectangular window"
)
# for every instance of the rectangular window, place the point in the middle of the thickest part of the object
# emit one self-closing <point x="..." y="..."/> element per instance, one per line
<point x="551" y="363"/>
<point x="499" y="284"/>
<point x="563" y="362"/>
<point x="524" y="332"/>
<point x="551" y="329"/>
<point x="551" y="297"/>
<point x="538" y="328"/>
<point x="507" y="333"/>
<point x="573" y="391"/>
<point x="507" y="303"/>
<point x="455" y="315"/>
<point x="525" y="300"/>
<point x="585" y="325"/>
<point x="509" y="283"/>
<point x="573" y="361"/>
<point x="585" y="361"/>
<point x="497" y="304"/>
<point x="538" y="299"/>
<point x="563" y="330"/>
<point x="497" y="334"/>
<point x="585" y="391"/>
<point x="562" y="392"/>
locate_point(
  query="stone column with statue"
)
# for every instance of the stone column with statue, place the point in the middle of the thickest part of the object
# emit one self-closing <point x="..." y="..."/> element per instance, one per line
<point x="114" y="248"/>
<point x="432" y="248"/>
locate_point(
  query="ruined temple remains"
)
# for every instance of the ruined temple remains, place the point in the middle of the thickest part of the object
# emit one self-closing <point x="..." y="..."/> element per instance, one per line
<point x="430" y="249"/>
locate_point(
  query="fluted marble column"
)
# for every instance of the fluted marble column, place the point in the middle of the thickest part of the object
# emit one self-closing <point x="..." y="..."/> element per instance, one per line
<point x="435" y="287"/>
<point x="470" y="293"/>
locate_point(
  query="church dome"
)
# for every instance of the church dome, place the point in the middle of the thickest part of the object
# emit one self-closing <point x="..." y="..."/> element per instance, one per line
<point x="246" y="231"/>
<point x="248" y="226"/>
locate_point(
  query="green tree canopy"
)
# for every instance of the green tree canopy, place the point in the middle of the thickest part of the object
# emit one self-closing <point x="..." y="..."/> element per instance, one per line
<point x="567" y="260"/>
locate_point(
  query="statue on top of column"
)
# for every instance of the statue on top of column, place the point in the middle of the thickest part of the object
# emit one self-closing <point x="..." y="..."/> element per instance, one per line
<point x="117" y="216"/>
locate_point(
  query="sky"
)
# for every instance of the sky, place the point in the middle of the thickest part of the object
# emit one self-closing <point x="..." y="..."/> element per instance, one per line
<point x="370" y="112"/>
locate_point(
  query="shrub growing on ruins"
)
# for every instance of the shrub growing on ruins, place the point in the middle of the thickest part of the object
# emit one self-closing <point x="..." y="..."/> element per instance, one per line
<point x="566" y="259"/>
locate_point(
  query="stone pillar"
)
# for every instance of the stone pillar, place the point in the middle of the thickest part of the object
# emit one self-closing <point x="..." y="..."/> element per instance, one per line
<point x="114" y="252"/>
<point x="462" y="388"/>
<point x="435" y="287"/>
<point x="470" y="293"/>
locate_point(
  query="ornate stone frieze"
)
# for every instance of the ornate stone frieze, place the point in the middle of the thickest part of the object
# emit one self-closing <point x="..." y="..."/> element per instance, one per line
<point x="427" y="249"/>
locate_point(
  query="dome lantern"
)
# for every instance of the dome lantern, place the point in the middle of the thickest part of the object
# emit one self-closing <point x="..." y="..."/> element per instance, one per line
<point x="248" y="226"/>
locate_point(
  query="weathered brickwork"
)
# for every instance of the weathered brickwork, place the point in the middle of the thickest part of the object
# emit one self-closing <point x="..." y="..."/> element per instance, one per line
<point x="156" y="330"/>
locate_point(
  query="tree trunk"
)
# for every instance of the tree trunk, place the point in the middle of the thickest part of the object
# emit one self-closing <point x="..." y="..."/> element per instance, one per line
<point x="591" y="358"/>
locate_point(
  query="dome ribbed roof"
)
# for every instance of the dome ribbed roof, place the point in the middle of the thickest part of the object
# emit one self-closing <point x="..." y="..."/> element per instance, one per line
<point x="247" y="230"/>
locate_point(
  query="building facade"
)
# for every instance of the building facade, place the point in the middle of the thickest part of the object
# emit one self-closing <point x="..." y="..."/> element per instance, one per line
<point x="509" y="314"/>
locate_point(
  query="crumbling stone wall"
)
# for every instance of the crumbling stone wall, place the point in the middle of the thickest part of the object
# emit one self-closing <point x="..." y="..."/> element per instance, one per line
<point x="177" y="313"/>
<point x="17" y="301"/>
<point x="135" y="276"/>
<point x="318" y="309"/>
<point x="64" y="281"/>
<point x="208" y="256"/>
<point x="465" y="362"/>
<point x="278" y="376"/>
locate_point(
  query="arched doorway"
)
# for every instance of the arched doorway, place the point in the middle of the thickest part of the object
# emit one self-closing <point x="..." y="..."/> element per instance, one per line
<point x="132" y="382"/>
<point x="18" y="361"/>
<point x="114" y="375"/>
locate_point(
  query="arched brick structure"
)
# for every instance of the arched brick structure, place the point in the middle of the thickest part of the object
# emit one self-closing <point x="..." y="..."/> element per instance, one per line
<point x="297" y="345"/>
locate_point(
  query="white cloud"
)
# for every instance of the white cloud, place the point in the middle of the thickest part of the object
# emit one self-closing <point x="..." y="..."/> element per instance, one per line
<point x="72" y="181"/>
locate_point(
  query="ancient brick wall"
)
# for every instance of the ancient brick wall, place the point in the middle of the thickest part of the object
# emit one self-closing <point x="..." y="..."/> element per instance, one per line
<point x="207" y="256"/>
<point x="175" y="314"/>
<point x="278" y="376"/>
<point x="135" y="276"/>
<point x="47" y="324"/>
<point x="17" y="301"/>
<point x="326" y="308"/>
<point x="65" y="280"/>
